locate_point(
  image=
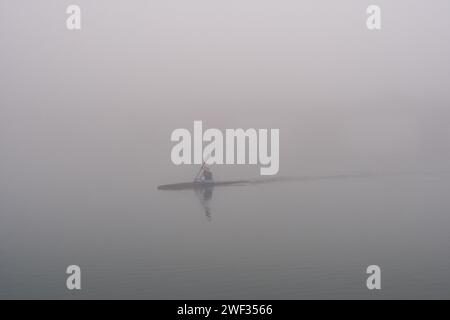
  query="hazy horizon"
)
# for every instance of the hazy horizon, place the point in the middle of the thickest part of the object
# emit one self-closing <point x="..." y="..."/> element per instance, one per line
<point x="85" y="124"/>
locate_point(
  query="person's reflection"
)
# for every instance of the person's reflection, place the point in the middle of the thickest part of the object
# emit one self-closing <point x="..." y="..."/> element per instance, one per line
<point x="204" y="194"/>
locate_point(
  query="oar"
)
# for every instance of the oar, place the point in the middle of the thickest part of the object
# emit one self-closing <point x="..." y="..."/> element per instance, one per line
<point x="201" y="168"/>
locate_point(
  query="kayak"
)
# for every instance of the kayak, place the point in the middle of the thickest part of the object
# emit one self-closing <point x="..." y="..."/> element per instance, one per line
<point x="202" y="184"/>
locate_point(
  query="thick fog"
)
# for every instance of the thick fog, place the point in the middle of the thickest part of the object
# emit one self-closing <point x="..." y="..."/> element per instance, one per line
<point x="86" y="115"/>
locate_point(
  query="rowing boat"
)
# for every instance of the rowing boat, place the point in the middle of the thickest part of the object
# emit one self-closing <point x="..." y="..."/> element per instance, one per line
<point x="202" y="184"/>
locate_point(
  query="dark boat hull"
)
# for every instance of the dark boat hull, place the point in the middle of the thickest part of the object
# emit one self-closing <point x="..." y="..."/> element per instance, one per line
<point x="201" y="185"/>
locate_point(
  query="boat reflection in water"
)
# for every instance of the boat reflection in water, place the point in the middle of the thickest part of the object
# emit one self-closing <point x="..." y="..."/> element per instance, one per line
<point x="204" y="196"/>
<point x="203" y="190"/>
<point x="203" y="185"/>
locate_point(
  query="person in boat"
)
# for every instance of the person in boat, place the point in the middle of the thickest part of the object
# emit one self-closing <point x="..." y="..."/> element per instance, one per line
<point x="205" y="175"/>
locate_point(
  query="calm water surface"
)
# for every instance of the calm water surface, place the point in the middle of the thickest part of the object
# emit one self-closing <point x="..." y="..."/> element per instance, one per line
<point x="285" y="240"/>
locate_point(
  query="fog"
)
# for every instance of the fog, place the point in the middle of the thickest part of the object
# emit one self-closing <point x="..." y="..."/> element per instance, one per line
<point x="85" y="124"/>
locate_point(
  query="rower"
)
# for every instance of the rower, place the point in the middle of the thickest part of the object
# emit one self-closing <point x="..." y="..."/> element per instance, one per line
<point x="207" y="174"/>
<point x="204" y="175"/>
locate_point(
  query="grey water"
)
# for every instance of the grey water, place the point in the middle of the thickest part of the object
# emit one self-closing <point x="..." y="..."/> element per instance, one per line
<point x="85" y="125"/>
<point x="274" y="241"/>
